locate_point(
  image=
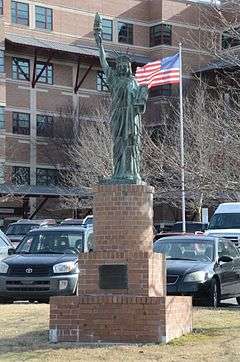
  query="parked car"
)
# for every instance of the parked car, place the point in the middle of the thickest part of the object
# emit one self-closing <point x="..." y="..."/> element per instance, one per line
<point x="72" y="222"/>
<point x="88" y="220"/>
<point x="5" y="245"/>
<point x="17" y="230"/>
<point x="44" y="264"/>
<point x="206" y="268"/>
<point x="191" y="226"/>
<point x="225" y="222"/>
<point x="165" y="234"/>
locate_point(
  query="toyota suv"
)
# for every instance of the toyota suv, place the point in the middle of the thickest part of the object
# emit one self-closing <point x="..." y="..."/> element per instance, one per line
<point x="44" y="264"/>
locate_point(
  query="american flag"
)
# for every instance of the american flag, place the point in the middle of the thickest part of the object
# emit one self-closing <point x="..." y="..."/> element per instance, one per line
<point x="165" y="71"/>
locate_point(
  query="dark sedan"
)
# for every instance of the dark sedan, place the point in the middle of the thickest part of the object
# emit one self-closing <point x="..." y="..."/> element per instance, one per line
<point x="205" y="267"/>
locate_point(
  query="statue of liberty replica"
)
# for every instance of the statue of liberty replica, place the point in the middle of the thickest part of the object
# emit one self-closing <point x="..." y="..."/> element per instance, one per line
<point x="128" y="104"/>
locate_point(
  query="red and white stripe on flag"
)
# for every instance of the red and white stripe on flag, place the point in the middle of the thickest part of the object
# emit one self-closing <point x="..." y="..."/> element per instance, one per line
<point x="165" y="71"/>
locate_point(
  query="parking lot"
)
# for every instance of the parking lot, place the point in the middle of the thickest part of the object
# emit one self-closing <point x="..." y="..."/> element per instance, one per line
<point x="24" y="337"/>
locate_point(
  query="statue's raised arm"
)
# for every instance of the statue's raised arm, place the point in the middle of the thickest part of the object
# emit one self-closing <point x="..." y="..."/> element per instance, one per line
<point x="98" y="37"/>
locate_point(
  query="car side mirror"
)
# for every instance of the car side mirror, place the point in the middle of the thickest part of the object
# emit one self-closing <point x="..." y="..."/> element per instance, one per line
<point x="225" y="259"/>
<point x="11" y="251"/>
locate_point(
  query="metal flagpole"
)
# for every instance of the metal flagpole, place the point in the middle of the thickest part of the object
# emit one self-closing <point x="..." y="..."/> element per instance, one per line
<point x="182" y="143"/>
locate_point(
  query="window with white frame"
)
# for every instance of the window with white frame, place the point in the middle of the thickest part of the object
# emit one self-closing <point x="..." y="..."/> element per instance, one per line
<point x="47" y="176"/>
<point x="2" y="61"/>
<point x="20" y="13"/>
<point x="21" y="175"/>
<point x="46" y="75"/>
<point x="20" y="68"/>
<point x="107" y="29"/>
<point x="44" y="125"/>
<point x="1" y="7"/>
<point x="21" y="123"/>
<point x="44" y="18"/>
<point x="125" y="33"/>
<point x="2" y="117"/>
<point x="160" y="34"/>
<point x="2" y="171"/>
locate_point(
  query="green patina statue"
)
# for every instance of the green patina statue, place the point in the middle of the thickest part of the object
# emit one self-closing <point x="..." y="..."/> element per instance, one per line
<point x="128" y="103"/>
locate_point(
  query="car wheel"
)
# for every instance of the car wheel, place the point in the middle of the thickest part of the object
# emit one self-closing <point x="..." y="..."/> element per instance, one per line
<point x="213" y="298"/>
<point x="238" y="300"/>
<point x="45" y="300"/>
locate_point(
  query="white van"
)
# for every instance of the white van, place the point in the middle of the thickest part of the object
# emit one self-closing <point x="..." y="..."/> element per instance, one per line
<point x="226" y="222"/>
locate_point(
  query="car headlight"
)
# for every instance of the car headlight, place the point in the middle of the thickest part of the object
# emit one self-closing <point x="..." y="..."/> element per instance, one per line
<point x="66" y="267"/>
<point x="3" y="268"/>
<point x="199" y="276"/>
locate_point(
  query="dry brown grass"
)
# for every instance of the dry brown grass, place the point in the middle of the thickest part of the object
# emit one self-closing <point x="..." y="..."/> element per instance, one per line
<point x="24" y="337"/>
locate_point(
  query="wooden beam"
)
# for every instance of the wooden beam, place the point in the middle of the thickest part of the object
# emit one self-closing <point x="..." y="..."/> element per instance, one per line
<point x="34" y="68"/>
<point x="77" y="76"/>
<point x="83" y="78"/>
<point x="42" y="70"/>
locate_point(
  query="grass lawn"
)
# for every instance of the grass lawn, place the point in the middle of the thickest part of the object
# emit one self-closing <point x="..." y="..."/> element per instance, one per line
<point x="24" y="337"/>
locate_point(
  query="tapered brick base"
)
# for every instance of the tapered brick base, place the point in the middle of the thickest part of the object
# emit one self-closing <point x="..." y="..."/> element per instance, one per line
<point x="139" y="310"/>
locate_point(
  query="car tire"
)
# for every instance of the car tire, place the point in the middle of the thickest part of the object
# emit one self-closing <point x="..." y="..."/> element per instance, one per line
<point x="45" y="301"/>
<point x="213" y="297"/>
<point x="238" y="300"/>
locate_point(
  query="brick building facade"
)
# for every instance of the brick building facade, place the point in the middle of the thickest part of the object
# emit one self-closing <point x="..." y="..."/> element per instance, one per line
<point x="48" y="58"/>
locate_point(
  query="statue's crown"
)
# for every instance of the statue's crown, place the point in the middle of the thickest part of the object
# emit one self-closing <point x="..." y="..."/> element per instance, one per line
<point x="122" y="58"/>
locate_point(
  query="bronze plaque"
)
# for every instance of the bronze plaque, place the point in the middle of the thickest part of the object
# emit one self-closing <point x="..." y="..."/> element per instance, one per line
<point x="113" y="277"/>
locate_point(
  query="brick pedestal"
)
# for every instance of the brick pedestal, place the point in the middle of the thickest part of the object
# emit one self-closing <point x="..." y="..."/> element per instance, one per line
<point x="130" y="306"/>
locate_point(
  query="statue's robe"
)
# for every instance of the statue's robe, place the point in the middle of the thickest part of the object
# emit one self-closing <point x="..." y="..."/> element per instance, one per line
<point x="128" y="102"/>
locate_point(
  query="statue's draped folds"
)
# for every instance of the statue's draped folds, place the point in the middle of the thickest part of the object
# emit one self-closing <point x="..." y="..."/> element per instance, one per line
<point x="128" y="103"/>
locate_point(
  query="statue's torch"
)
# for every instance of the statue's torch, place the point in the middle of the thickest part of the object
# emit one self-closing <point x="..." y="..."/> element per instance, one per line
<point x="97" y="27"/>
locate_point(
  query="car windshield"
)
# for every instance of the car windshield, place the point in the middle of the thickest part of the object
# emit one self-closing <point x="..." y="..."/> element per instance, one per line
<point x="186" y="250"/>
<point x="52" y="242"/>
<point x="20" y="229"/>
<point x="225" y="221"/>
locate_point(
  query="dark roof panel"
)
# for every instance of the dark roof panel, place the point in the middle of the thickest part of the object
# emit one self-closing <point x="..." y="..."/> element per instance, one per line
<point x="67" y="48"/>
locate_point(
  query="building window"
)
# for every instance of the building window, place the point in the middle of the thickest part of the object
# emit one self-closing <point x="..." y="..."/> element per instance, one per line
<point x="1" y="61"/>
<point x="44" y="18"/>
<point x="2" y="117"/>
<point x="101" y="82"/>
<point x="160" y="34"/>
<point x="125" y="33"/>
<point x="21" y="123"/>
<point x="231" y="38"/>
<point x="107" y="29"/>
<point x="47" y="177"/>
<point x="44" y="125"/>
<point x="1" y="7"/>
<point x="47" y="74"/>
<point x="163" y="90"/>
<point x="20" y="69"/>
<point x="2" y="172"/>
<point x="20" y="13"/>
<point x="21" y="175"/>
